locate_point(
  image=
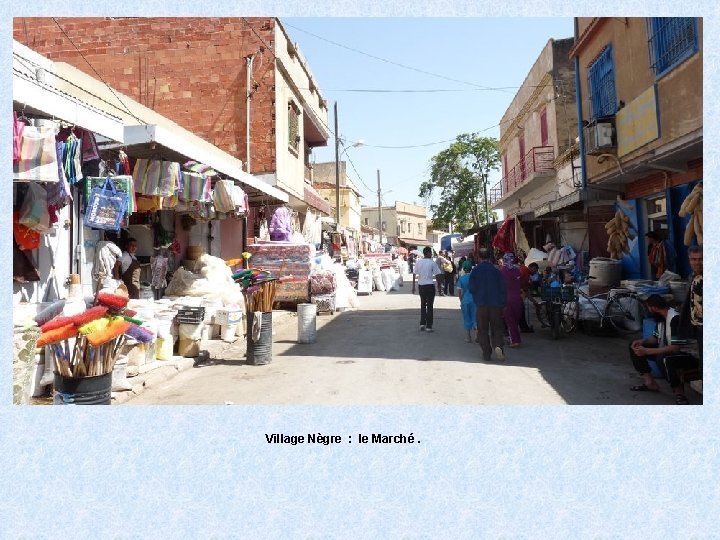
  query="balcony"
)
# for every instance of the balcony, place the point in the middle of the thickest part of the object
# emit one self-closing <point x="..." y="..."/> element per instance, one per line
<point x="538" y="162"/>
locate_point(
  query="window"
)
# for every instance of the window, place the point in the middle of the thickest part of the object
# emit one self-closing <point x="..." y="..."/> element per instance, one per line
<point x="410" y="229"/>
<point x="293" y="128"/>
<point x="402" y="227"/>
<point x="420" y="229"/>
<point x="366" y="221"/>
<point x="543" y="128"/>
<point x="384" y="225"/>
<point x="601" y="85"/>
<point x="672" y="40"/>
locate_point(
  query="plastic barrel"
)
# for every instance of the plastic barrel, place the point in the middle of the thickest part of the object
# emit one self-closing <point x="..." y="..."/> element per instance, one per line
<point x="307" y="319"/>
<point x="82" y="391"/>
<point x="260" y="352"/>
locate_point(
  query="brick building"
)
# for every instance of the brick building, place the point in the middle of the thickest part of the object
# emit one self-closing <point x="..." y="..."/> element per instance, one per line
<point x="195" y="71"/>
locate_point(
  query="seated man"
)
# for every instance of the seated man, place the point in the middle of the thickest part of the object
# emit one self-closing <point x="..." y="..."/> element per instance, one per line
<point x="666" y="350"/>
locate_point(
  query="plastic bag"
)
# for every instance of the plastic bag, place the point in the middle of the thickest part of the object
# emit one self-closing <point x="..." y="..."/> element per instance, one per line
<point x="34" y="212"/>
<point x="106" y="207"/>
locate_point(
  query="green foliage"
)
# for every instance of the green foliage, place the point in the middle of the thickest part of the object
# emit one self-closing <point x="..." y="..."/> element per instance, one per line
<point x="460" y="175"/>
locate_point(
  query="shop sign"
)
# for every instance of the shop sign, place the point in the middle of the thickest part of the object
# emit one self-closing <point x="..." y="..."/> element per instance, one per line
<point x="637" y="122"/>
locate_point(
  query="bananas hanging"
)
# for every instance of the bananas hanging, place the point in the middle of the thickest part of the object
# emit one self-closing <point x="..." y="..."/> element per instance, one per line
<point x="692" y="206"/>
<point x="620" y="232"/>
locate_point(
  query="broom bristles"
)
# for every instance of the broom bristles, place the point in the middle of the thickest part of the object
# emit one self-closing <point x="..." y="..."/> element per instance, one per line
<point x="143" y="335"/>
<point x="57" y="334"/>
<point x="92" y="314"/>
<point x="50" y="312"/>
<point x="57" y="322"/>
<point x="113" y="330"/>
<point x="94" y="326"/>
<point x="112" y="300"/>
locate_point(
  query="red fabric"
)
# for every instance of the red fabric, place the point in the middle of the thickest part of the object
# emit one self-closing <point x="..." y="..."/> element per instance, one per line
<point x="504" y="240"/>
<point x="27" y="239"/>
<point x="524" y="276"/>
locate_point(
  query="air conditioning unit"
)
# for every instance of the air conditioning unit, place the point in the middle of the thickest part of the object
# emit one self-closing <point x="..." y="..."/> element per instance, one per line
<point x="600" y="136"/>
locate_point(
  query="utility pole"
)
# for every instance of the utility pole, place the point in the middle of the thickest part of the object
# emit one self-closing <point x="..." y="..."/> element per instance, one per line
<point x="379" y="207"/>
<point x="337" y="171"/>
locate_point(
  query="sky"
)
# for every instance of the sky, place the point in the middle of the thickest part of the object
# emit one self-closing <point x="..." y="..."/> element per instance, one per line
<point x="473" y="52"/>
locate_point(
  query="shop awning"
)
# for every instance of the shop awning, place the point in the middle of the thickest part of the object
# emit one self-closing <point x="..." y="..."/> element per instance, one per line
<point x="153" y="140"/>
<point x="38" y="92"/>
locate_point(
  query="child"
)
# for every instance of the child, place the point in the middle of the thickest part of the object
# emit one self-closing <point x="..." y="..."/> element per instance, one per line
<point x="467" y="306"/>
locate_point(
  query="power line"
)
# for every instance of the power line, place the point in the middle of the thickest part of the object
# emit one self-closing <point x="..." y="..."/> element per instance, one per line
<point x="95" y="71"/>
<point x="389" y="61"/>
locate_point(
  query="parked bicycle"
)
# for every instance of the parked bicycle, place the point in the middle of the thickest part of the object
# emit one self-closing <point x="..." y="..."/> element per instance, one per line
<point x="617" y="310"/>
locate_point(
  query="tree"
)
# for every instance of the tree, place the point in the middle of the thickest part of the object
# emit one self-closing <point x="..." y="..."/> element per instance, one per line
<point x="460" y="173"/>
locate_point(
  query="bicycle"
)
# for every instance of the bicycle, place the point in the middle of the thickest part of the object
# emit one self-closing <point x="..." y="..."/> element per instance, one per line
<point x="613" y="309"/>
<point x="557" y="301"/>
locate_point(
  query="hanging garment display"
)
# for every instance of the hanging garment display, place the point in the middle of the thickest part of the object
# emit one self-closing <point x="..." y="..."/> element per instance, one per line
<point x="281" y="225"/>
<point x="505" y="238"/>
<point x="38" y="155"/>
<point x="72" y="161"/>
<point x="18" y="127"/>
<point x="26" y="238"/>
<point x="34" y="211"/>
<point x="154" y="177"/>
<point x="195" y="187"/>
<point x="59" y="194"/>
<point x="223" y="196"/>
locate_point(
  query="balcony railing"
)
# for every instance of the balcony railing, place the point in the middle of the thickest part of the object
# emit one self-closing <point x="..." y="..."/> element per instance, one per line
<point x="539" y="160"/>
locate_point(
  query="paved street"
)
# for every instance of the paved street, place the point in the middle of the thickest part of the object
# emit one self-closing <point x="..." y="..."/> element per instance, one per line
<point x="376" y="355"/>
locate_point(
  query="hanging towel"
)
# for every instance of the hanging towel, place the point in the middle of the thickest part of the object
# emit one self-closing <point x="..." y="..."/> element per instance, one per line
<point x="195" y="187"/>
<point x="38" y="156"/>
<point x="89" y="146"/>
<point x="169" y="180"/>
<point x="223" y="196"/>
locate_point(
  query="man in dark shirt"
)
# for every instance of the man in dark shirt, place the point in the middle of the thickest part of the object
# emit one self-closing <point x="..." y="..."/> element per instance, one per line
<point x="666" y="348"/>
<point x="488" y="289"/>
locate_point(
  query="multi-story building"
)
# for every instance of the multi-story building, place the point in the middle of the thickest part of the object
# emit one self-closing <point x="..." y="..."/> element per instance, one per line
<point x="239" y="83"/>
<point x="403" y="224"/>
<point x="642" y="111"/>
<point x="540" y="158"/>
<point x="350" y="198"/>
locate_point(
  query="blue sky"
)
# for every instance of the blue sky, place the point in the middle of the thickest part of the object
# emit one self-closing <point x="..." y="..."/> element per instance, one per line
<point x="490" y="52"/>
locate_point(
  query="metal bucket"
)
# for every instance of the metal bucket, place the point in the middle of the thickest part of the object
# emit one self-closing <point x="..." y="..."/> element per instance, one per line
<point x="260" y="352"/>
<point x="307" y="322"/>
<point x="82" y="391"/>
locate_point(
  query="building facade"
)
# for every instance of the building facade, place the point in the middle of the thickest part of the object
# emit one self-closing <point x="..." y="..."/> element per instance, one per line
<point x="403" y="224"/>
<point x="541" y="183"/>
<point x="238" y="83"/>
<point x="641" y="86"/>
<point x="350" y="198"/>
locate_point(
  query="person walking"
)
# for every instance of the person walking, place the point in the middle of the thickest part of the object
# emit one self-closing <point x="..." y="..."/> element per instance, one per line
<point x="467" y="304"/>
<point x="487" y="286"/>
<point x="441" y="261"/>
<point x="450" y="275"/>
<point x="426" y="269"/>
<point x="513" y="307"/>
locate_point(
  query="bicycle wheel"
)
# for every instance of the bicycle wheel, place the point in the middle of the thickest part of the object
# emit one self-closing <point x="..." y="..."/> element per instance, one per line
<point x="568" y="324"/>
<point x="623" y="312"/>
<point x="555" y="324"/>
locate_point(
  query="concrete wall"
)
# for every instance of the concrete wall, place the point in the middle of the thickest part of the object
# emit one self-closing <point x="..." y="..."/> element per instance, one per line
<point x="538" y="92"/>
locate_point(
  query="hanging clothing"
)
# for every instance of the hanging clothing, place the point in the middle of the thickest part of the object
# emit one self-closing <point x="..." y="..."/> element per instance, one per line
<point x="195" y="187"/>
<point x="38" y="155"/>
<point x="18" y="127"/>
<point x="59" y="194"/>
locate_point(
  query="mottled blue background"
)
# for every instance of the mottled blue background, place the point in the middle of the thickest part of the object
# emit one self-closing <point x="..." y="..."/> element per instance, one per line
<point x="483" y="472"/>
